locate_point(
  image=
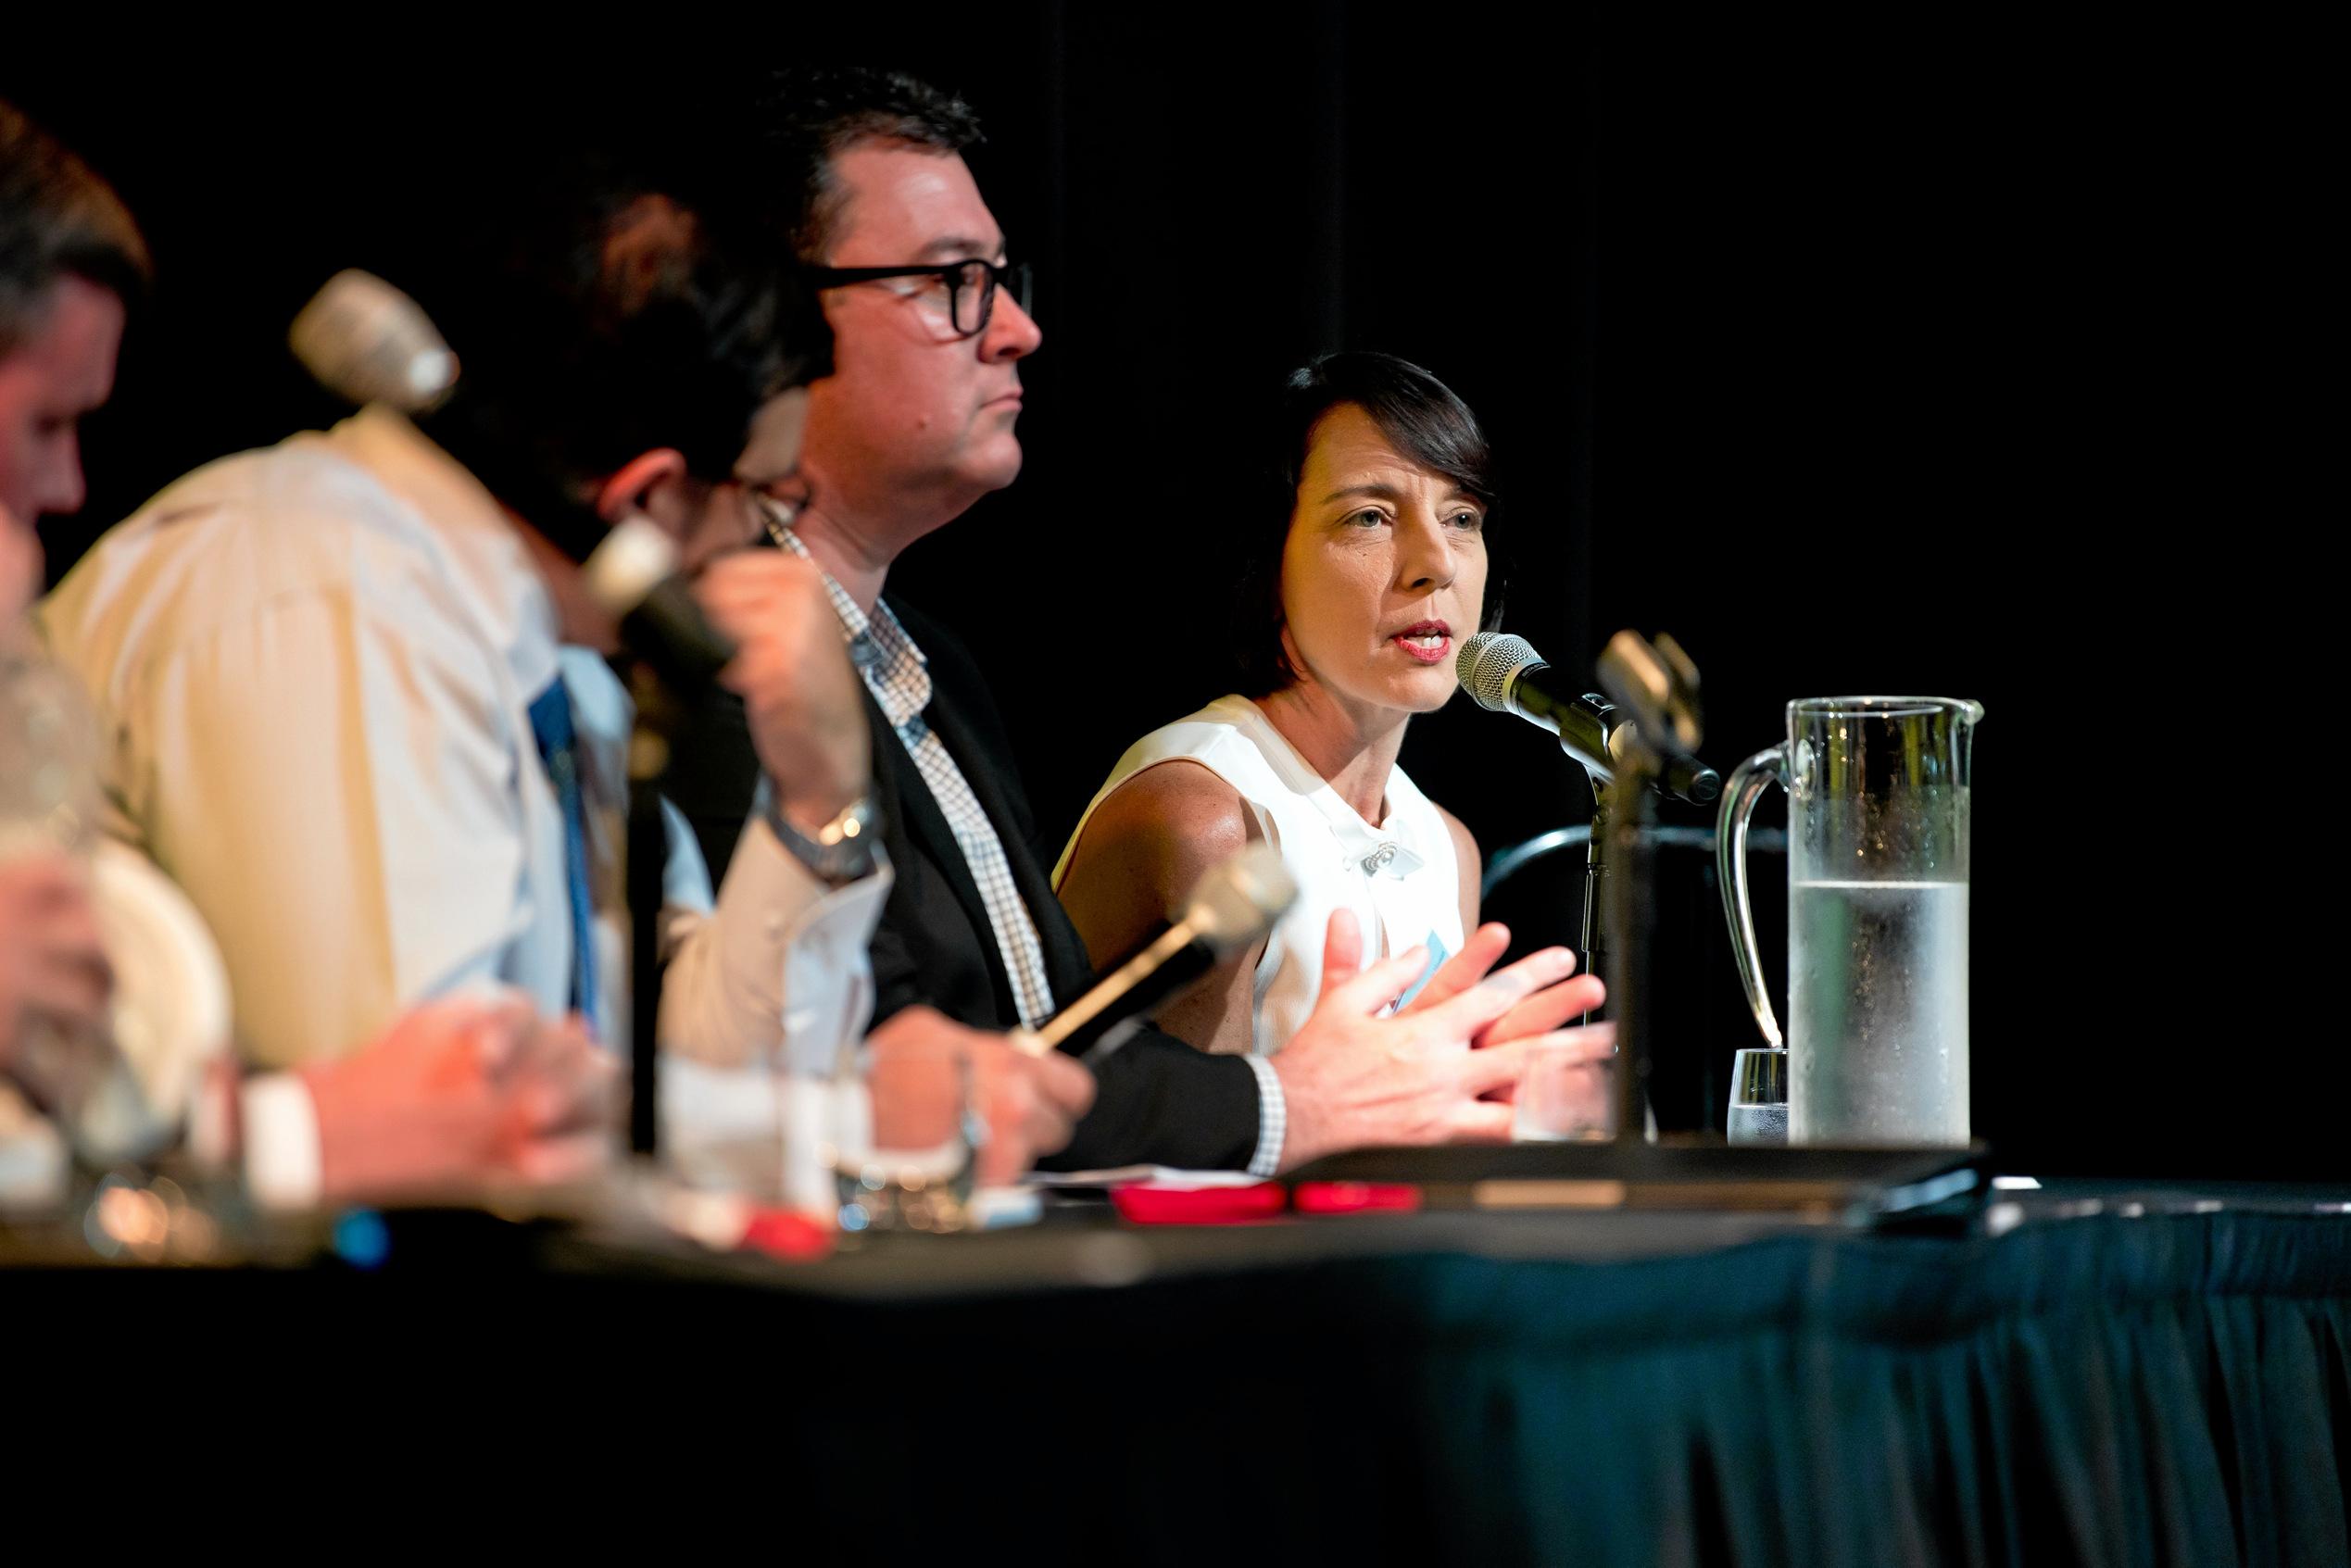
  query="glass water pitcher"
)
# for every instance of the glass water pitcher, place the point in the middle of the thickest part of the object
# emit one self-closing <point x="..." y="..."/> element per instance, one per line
<point x="1877" y="846"/>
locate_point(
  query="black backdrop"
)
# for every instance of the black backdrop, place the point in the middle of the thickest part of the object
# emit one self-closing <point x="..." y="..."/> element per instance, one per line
<point x="1855" y="361"/>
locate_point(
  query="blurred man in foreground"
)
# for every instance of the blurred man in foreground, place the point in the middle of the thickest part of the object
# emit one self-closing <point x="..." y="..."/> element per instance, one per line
<point x="354" y="708"/>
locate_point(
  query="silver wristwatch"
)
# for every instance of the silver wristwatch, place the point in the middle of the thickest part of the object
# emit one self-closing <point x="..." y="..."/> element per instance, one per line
<point x="842" y="850"/>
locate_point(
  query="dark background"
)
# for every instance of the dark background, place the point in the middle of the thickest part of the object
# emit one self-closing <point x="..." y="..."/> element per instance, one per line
<point x="1897" y="362"/>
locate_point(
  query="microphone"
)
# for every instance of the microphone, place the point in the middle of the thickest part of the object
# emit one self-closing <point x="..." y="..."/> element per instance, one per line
<point x="1505" y="674"/>
<point x="1235" y="903"/>
<point x="368" y="342"/>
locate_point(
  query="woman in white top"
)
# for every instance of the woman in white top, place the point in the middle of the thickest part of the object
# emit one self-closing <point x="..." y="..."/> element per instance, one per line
<point x="1353" y="612"/>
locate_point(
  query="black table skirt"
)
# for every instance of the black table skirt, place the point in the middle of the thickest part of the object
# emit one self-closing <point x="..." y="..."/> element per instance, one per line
<point x="2161" y="1390"/>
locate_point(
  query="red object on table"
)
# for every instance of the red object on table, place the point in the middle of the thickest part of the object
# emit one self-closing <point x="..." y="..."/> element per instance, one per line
<point x="781" y="1233"/>
<point x="1355" y="1197"/>
<point x="1146" y="1205"/>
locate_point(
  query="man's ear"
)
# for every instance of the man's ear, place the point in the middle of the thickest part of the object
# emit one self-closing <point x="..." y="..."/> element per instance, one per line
<point x="653" y="482"/>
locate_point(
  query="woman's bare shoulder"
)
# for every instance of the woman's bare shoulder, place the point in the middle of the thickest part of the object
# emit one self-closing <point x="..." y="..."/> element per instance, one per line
<point x="1177" y="814"/>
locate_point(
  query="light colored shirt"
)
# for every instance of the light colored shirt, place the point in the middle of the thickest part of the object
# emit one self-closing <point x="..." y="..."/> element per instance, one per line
<point x="313" y="666"/>
<point x="1400" y="878"/>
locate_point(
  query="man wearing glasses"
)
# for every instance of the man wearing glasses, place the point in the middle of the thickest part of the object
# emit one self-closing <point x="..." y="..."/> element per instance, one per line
<point x="914" y="425"/>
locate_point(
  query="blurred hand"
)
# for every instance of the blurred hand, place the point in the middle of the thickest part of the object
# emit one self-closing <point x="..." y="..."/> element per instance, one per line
<point x="52" y="970"/>
<point x="806" y="706"/>
<point x="464" y="1090"/>
<point x="1352" y="1079"/>
<point x="1030" y="1103"/>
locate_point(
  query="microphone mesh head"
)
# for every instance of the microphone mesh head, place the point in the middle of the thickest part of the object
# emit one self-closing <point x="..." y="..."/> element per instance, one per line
<point x="367" y="342"/>
<point x="1488" y="662"/>
<point x="1238" y="900"/>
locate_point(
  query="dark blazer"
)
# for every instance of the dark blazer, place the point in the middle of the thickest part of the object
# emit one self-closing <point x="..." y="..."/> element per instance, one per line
<point x="1158" y="1100"/>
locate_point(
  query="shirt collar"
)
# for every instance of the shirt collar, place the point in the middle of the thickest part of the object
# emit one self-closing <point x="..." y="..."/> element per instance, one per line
<point x="894" y="669"/>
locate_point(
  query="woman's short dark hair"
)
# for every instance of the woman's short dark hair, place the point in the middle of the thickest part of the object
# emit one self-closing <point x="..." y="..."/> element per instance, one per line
<point x="1421" y="418"/>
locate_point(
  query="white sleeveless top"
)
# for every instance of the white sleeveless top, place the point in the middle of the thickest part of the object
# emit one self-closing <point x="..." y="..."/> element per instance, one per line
<point x="1399" y="878"/>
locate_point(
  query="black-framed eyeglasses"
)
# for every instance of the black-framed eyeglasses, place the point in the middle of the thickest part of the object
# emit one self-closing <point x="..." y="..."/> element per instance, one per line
<point x="971" y="286"/>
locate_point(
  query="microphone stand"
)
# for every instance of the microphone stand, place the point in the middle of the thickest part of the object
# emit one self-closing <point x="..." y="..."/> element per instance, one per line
<point x="1628" y="886"/>
<point x="1656" y="688"/>
<point x="1595" y="874"/>
<point x="1599" y="769"/>
<point x="648" y="856"/>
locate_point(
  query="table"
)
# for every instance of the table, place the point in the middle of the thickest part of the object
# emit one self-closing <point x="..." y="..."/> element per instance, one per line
<point x="2083" y="1375"/>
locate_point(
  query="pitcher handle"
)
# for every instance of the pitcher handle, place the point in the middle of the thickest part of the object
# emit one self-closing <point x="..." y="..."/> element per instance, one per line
<point x="1738" y="796"/>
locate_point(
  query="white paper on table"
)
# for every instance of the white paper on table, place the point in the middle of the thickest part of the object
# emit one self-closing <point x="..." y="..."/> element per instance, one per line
<point x="1142" y="1175"/>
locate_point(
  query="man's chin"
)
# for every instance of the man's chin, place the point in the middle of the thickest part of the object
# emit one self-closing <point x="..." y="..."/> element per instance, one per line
<point x="995" y="467"/>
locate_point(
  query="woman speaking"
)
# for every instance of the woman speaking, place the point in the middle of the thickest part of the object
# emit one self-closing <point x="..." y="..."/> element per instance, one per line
<point x="1367" y="568"/>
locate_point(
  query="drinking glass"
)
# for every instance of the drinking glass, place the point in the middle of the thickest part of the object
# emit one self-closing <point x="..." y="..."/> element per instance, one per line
<point x="1567" y="1090"/>
<point x="1758" y="1096"/>
<point x="913" y="1164"/>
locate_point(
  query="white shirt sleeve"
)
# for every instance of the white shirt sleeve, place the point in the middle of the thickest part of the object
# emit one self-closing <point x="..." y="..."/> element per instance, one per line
<point x="280" y="1141"/>
<point x="780" y="973"/>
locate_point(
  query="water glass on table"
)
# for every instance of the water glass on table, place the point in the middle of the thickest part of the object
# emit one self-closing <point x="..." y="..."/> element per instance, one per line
<point x="1758" y="1096"/>
<point x="1568" y="1089"/>
<point x="905" y="1153"/>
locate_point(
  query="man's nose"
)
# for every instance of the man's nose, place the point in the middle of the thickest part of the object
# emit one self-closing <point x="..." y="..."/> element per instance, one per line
<point x="1012" y="333"/>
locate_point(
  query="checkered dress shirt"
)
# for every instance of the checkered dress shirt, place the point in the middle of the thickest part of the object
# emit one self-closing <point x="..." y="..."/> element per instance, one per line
<point x="896" y="672"/>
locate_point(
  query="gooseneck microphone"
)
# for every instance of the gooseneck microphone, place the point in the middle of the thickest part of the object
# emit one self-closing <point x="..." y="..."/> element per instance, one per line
<point x="1505" y="674"/>
<point x="1235" y="903"/>
<point x="368" y="342"/>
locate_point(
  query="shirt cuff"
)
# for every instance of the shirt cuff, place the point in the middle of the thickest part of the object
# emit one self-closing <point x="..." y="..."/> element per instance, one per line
<point x="825" y="964"/>
<point x="780" y="953"/>
<point x="280" y="1141"/>
<point x="1273" y="1119"/>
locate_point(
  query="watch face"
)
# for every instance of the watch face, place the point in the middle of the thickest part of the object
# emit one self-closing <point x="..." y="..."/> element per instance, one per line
<point x="843" y="847"/>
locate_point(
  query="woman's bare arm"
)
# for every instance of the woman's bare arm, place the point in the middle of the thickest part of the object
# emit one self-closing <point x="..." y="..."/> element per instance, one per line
<point x="1141" y="853"/>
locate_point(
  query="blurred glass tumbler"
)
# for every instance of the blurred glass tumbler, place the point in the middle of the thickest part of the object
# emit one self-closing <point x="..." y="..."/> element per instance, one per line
<point x="1758" y="1113"/>
<point x="48" y="759"/>
<point x="1879" y="839"/>
<point x="48" y="807"/>
<point x="915" y="1166"/>
<point x="1566" y="1092"/>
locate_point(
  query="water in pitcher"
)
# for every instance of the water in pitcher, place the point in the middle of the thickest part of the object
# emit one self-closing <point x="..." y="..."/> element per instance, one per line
<point x="1878" y="1004"/>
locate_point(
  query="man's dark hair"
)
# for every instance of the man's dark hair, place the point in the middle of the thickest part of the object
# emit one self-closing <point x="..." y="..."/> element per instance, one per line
<point x="810" y="117"/>
<point x="606" y="319"/>
<point x="57" y="218"/>
<point x="1421" y="418"/>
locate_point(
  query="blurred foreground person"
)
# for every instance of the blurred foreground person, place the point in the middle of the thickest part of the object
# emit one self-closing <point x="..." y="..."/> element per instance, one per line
<point x="127" y="1049"/>
<point x="72" y="263"/>
<point x="355" y="706"/>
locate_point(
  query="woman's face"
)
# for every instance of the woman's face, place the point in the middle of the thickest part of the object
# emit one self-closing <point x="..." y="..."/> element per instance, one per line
<point x="1384" y="573"/>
